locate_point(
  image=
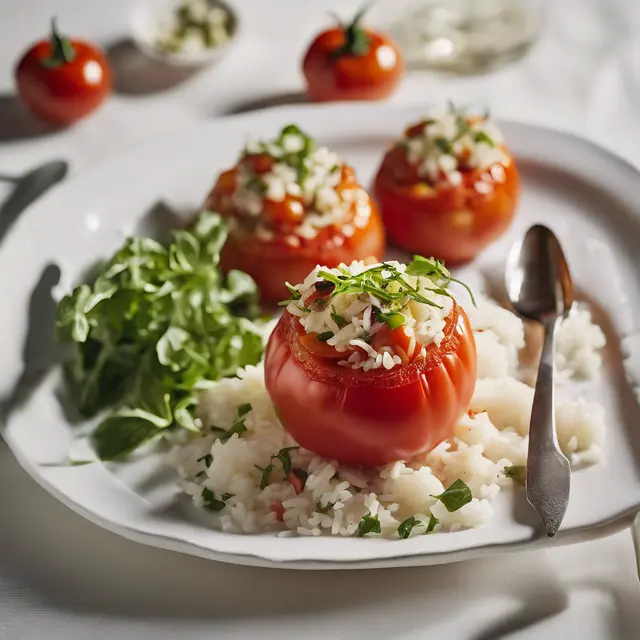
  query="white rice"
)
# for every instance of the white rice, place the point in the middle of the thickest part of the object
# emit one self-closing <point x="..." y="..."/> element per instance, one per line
<point x="335" y="498"/>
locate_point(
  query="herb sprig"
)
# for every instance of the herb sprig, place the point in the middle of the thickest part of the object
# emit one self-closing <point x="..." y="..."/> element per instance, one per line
<point x="388" y="284"/>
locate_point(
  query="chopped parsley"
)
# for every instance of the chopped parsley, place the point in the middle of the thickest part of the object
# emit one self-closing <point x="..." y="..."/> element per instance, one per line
<point x="211" y="502"/>
<point x="433" y="521"/>
<point x="326" y="508"/>
<point x="408" y="525"/>
<point x="284" y="456"/>
<point x="208" y="459"/>
<point x="482" y="136"/>
<point x="368" y="524"/>
<point x="281" y="149"/>
<point x="518" y="473"/>
<point x="443" y="145"/>
<point x="243" y="409"/>
<point x="455" y="497"/>
<point x="238" y="427"/>
<point x="338" y="319"/>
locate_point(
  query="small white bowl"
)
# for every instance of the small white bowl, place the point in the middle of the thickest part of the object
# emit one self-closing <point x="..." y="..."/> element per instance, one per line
<point x="146" y="23"/>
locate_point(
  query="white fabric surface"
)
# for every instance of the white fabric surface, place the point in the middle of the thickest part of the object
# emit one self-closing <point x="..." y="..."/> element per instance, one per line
<point x="61" y="577"/>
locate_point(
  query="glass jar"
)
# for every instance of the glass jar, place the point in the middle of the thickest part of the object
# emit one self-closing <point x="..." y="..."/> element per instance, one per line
<point x="460" y="36"/>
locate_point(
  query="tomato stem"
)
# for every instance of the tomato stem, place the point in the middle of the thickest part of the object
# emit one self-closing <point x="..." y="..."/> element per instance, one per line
<point x="357" y="42"/>
<point x="62" y="51"/>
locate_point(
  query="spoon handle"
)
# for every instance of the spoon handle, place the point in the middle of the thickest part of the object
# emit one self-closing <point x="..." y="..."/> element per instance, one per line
<point x="548" y="470"/>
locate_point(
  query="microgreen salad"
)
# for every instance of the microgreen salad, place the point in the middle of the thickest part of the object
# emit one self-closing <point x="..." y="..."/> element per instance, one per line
<point x="448" y="141"/>
<point x="379" y="315"/>
<point x="156" y="325"/>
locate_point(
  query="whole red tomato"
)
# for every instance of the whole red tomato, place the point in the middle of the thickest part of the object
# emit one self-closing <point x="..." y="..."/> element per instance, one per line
<point x="62" y="80"/>
<point x="375" y="417"/>
<point x="352" y="63"/>
<point x="452" y="223"/>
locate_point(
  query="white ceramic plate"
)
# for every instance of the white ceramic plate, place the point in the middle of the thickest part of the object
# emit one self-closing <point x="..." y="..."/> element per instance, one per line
<point x="587" y="196"/>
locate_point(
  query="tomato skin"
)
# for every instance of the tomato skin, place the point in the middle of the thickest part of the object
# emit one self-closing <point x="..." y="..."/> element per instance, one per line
<point x="371" y="76"/>
<point x="376" y="417"/>
<point x="65" y="93"/>
<point x="453" y="223"/>
<point x="271" y="263"/>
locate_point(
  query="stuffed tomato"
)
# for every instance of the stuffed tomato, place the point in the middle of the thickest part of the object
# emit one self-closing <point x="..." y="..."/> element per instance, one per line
<point x="291" y="205"/>
<point x="449" y="187"/>
<point x="370" y="364"/>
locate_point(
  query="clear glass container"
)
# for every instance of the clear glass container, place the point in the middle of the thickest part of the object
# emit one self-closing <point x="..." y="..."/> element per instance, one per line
<point x="461" y="36"/>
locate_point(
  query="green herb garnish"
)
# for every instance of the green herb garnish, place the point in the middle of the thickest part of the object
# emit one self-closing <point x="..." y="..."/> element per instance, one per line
<point x="284" y="456"/>
<point x="368" y="524"/>
<point x="481" y="136"/>
<point x="433" y="521"/>
<point x="325" y="509"/>
<point x="243" y="409"/>
<point x="407" y="526"/>
<point x="518" y="473"/>
<point x="456" y="496"/>
<point x="211" y="502"/>
<point x="393" y="320"/>
<point x="208" y="459"/>
<point x="339" y="320"/>
<point x="324" y="336"/>
<point x="155" y="324"/>
<point x="443" y="145"/>
<point x="278" y="149"/>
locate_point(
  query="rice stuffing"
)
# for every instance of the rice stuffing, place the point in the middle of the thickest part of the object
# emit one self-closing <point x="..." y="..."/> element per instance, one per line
<point x="249" y="472"/>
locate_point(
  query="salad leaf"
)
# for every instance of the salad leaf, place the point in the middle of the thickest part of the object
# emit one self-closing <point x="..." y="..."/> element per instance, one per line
<point x="154" y="326"/>
<point x="117" y="436"/>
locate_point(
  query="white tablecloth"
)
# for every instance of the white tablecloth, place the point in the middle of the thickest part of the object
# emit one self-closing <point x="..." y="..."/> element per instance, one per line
<point x="61" y="577"/>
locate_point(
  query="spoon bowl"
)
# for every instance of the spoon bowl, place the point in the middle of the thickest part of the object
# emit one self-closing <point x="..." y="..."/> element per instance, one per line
<point x="539" y="284"/>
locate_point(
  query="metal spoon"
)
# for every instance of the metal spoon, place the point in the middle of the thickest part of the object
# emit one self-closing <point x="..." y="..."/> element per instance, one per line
<point x="539" y="288"/>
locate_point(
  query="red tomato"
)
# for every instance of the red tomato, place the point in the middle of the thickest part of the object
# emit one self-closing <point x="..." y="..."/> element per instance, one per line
<point x="272" y="262"/>
<point x="63" y="80"/>
<point x="297" y="483"/>
<point x="375" y="417"/>
<point x="352" y="63"/>
<point x="453" y="223"/>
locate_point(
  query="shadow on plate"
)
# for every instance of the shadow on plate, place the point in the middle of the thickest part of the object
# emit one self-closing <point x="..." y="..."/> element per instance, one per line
<point x="40" y="353"/>
<point x="134" y="73"/>
<point x="160" y="220"/>
<point x="279" y="100"/>
<point x="17" y="122"/>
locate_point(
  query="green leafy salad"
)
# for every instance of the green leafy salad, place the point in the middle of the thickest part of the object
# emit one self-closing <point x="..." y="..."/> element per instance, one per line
<point x="156" y="326"/>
